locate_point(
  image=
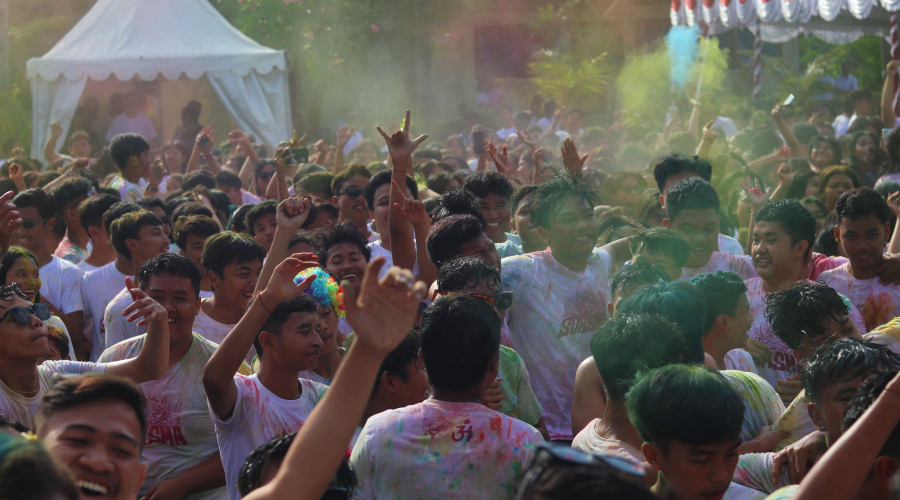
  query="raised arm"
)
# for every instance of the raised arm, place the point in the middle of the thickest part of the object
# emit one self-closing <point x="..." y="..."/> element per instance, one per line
<point x="202" y="147"/>
<point x="571" y="160"/>
<point x="218" y="376"/>
<point x="9" y="220"/>
<point x="240" y="140"/>
<point x="706" y="141"/>
<point x="50" y="146"/>
<point x="289" y="216"/>
<point x="381" y="315"/>
<point x="797" y="150"/>
<point x="343" y="137"/>
<point x="888" y="117"/>
<point x="17" y="175"/>
<point x="413" y="211"/>
<point x="153" y="360"/>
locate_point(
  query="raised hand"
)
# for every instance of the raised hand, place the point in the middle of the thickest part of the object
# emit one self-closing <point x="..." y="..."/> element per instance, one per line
<point x="281" y="287"/>
<point x="343" y="136"/>
<point x="527" y="139"/>
<point x="282" y="156"/>
<point x="157" y="172"/>
<point x="571" y="160"/>
<point x="500" y="158"/>
<point x="777" y="110"/>
<point x="292" y="213"/>
<point x="410" y="209"/>
<point x="798" y="457"/>
<point x="785" y="175"/>
<point x="382" y="311"/>
<point x="237" y="137"/>
<point x="755" y="194"/>
<point x="759" y="351"/>
<point x="892" y="67"/>
<point x="537" y="161"/>
<point x="56" y="129"/>
<point x="143" y="306"/>
<point x="400" y="146"/>
<point x="321" y="146"/>
<point x="493" y="395"/>
<point x="9" y="220"/>
<point x="708" y="134"/>
<point x="204" y="140"/>
<point x="17" y="173"/>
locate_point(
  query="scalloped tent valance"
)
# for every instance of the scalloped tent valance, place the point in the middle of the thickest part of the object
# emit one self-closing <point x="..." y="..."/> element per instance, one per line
<point x="144" y="39"/>
<point x="723" y="15"/>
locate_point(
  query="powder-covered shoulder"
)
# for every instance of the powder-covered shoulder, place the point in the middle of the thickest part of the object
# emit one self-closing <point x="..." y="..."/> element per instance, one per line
<point x="315" y="390"/>
<point x="123" y="350"/>
<point x="517" y="270"/>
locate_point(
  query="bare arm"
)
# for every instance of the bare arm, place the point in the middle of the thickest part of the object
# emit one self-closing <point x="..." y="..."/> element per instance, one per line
<point x="894" y="203"/>
<point x="706" y="141"/>
<point x="17" y="175"/>
<point x="153" y="360"/>
<point x="240" y="139"/>
<point x="50" y="146"/>
<point x="343" y="137"/>
<point x="289" y="216"/>
<point x="381" y="316"/>
<point x="202" y="147"/>
<point x="797" y="150"/>
<point x="589" y="397"/>
<point x="9" y="220"/>
<point x="888" y="118"/>
<point x="786" y="178"/>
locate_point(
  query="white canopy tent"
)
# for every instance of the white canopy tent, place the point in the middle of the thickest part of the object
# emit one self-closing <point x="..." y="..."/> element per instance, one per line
<point x="146" y="39"/>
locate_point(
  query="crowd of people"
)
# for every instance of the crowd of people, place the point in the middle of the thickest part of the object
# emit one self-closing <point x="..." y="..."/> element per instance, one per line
<point x="530" y="309"/>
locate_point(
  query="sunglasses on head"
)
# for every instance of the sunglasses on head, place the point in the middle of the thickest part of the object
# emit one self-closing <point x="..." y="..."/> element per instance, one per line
<point x="265" y="175"/>
<point x="352" y="191"/>
<point x="22" y="315"/>
<point x="501" y="301"/>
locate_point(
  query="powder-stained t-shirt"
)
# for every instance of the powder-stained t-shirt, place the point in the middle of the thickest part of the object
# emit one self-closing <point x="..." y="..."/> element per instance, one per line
<point x="519" y="400"/>
<point x="754" y="470"/>
<point x="102" y="285"/>
<point x="554" y="314"/>
<point x="762" y="406"/>
<point x="61" y="285"/>
<point x="590" y="441"/>
<point x="437" y="449"/>
<point x="819" y="263"/>
<point x="209" y="328"/>
<point x="118" y="328"/>
<point x="259" y="415"/>
<point x="718" y="261"/>
<point x="877" y="303"/>
<point x="70" y="251"/>
<point x="727" y="244"/>
<point x="740" y="360"/>
<point x="785" y="493"/>
<point x="18" y="408"/>
<point x="180" y="431"/>
<point x="129" y="191"/>
<point x="783" y="363"/>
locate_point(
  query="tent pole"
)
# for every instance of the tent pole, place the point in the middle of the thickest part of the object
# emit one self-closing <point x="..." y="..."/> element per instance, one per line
<point x="757" y="67"/>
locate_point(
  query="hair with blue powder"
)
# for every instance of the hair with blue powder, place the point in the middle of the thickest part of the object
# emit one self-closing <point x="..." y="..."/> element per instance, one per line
<point x="325" y="290"/>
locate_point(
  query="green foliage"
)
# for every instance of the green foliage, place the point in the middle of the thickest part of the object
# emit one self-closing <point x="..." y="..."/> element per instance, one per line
<point x="571" y="81"/>
<point x="15" y="115"/>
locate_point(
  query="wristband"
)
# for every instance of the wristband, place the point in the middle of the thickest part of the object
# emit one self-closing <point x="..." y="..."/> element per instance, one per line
<point x="259" y="297"/>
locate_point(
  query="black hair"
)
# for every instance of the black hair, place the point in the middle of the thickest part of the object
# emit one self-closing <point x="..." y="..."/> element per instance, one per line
<point x="29" y="472"/>
<point x="382" y="178"/>
<point x="694" y="193"/>
<point x="458" y="202"/>
<point x="228" y="178"/>
<point x="124" y="146"/>
<point x="793" y="218"/>
<point x="152" y="201"/>
<point x="439" y="181"/>
<point x="627" y="345"/>
<point x="862" y="202"/>
<point x="397" y="361"/>
<point x="673" y="163"/>
<point x="349" y="172"/>
<point x="226" y="248"/>
<point x="343" y="232"/>
<point x="170" y="264"/>
<point x="638" y="273"/>
<point x="722" y="290"/>
<point x="268" y="207"/>
<point x="116" y="211"/>
<point x="198" y="178"/>
<point x="692" y="404"/>
<point x="523" y="193"/>
<point x="460" y="336"/>
<point x="804" y="131"/>
<point x="553" y="193"/>
<point x="315" y="208"/>
<point x="196" y="225"/>
<point x="189" y="209"/>
<point x="663" y="242"/>
<point x="801" y="181"/>
<point x="485" y="183"/>
<point x="446" y="237"/>
<point x="683" y="303"/>
<point x="764" y="142"/>
<point x="463" y="272"/>
<point x="70" y="190"/>
<point x="59" y="339"/>
<point x="238" y="218"/>
<point x="316" y="182"/>
<point x="803" y="310"/>
<point x="832" y="143"/>
<point x="304" y="303"/>
<point x="845" y="359"/>
<point x="91" y="210"/>
<point x="39" y="199"/>
<point x="9" y="259"/>
<point x="74" y="391"/>
<point x="128" y="227"/>
<point x="865" y="396"/>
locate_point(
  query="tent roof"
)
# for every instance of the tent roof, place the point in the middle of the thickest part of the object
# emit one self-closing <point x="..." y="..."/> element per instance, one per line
<point x="145" y="38"/>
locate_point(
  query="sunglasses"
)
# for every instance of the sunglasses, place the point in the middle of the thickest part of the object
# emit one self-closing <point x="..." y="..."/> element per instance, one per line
<point x="501" y="301"/>
<point x="30" y="223"/>
<point x="352" y="191"/>
<point x="22" y="315"/>
<point x="265" y="175"/>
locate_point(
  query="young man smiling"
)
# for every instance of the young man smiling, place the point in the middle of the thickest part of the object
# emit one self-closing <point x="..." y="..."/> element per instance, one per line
<point x="863" y="228"/>
<point x="180" y="448"/>
<point x="693" y="210"/>
<point x="260" y="222"/>
<point x="233" y="263"/>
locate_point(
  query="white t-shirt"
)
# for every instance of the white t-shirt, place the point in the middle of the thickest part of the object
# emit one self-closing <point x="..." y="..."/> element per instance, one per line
<point x="762" y="405"/>
<point x="18" y="408"/>
<point x="61" y="285"/>
<point x="140" y="124"/>
<point x="590" y="441"/>
<point x="727" y="244"/>
<point x="783" y="363"/>
<point x="718" y="261"/>
<point x="877" y="303"/>
<point x="84" y="267"/>
<point x="258" y="417"/>
<point x="117" y="326"/>
<point x="378" y="250"/>
<point x="554" y="314"/>
<point x="754" y="470"/>
<point x="847" y="83"/>
<point x="740" y="360"/>
<point x="437" y="449"/>
<point x="209" y="328"/>
<point x="128" y="191"/>
<point x="841" y="124"/>
<point x="102" y="285"/>
<point x="180" y="432"/>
